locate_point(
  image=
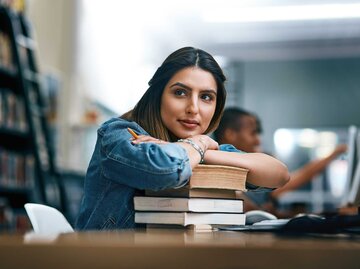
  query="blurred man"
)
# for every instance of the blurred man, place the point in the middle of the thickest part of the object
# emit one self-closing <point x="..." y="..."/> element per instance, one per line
<point x="242" y="129"/>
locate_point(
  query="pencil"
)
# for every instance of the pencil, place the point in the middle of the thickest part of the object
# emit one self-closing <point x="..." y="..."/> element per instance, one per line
<point x="134" y="135"/>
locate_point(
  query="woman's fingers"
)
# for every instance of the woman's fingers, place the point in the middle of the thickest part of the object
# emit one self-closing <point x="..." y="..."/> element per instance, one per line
<point x="147" y="139"/>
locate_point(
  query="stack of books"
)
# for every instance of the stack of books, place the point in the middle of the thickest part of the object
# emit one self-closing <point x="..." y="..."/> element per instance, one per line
<point x="210" y="198"/>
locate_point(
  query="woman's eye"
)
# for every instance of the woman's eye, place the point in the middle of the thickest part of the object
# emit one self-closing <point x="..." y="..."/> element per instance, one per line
<point x="180" y="92"/>
<point x="207" y="97"/>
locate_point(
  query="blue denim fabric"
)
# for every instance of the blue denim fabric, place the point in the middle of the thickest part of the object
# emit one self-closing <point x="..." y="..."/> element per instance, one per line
<point x="229" y="148"/>
<point x="118" y="169"/>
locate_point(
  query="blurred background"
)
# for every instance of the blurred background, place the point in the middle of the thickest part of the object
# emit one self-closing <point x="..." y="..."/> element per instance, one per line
<point x="296" y="64"/>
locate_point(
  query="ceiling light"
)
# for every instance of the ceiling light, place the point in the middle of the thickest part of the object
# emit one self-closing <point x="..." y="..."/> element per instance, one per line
<point x="282" y="13"/>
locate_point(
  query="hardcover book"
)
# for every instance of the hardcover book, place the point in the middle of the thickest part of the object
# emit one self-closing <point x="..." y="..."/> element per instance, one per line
<point x="195" y="193"/>
<point x="189" y="218"/>
<point x="142" y="203"/>
<point x="218" y="177"/>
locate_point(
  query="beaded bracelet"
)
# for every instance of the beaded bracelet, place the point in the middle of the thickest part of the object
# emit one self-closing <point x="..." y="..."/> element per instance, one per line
<point x="196" y="147"/>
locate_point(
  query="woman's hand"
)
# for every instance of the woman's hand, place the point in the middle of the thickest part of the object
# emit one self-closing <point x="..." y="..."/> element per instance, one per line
<point x="147" y="139"/>
<point x="196" y="146"/>
<point x="205" y="142"/>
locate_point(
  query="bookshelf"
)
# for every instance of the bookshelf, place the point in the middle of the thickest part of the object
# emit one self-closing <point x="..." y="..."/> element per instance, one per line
<point x="27" y="165"/>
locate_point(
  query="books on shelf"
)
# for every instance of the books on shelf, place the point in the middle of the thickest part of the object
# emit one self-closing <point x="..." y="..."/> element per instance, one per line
<point x="16" y="169"/>
<point x="5" y="51"/>
<point x="190" y="218"/>
<point x="142" y="203"/>
<point x="12" y="111"/>
<point x="26" y="159"/>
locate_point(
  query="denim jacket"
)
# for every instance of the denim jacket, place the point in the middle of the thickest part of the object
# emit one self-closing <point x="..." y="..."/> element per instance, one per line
<point x="118" y="169"/>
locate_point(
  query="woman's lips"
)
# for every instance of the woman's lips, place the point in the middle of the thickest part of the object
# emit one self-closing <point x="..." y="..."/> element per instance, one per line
<point x="190" y="124"/>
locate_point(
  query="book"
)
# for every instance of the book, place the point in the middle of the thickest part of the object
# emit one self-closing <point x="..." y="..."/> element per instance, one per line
<point x="218" y="177"/>
<point x="194" y="193"/>
<point x="143" y="203"/>
<point x="186" y="218"/>
<point x="192" y="227"/>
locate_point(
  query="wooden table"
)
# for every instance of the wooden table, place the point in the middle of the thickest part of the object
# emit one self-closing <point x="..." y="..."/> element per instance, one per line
<point x="158" y="248"/>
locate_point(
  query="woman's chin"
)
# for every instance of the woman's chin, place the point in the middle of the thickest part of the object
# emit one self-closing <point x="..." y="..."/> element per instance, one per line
<point x="183" y="135"/>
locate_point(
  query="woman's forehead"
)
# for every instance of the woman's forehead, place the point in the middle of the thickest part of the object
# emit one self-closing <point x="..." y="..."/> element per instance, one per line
<point x="194" y="77"/>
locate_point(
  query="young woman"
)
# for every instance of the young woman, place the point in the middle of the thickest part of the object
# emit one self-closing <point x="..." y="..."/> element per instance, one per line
<point x="184" y="102"/>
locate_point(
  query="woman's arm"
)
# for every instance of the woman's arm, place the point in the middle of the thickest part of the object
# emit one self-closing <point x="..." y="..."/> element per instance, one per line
<point x="264" y="170"/>
<point x="204" y="142"/>
<point x="139" y="165"/>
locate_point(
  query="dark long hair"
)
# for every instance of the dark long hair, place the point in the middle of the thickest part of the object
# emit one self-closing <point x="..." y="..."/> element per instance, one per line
<point x="147" y="111"/>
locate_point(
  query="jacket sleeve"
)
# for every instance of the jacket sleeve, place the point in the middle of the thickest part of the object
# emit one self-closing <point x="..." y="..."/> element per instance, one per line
<point x="141" y="166"/>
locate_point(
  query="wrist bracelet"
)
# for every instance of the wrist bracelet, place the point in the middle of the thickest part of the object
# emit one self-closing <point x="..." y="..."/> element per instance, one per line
<point x="195" y="146"/>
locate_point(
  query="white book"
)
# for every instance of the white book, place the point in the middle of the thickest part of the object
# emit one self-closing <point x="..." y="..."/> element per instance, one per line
<point x="186" y="218"/>
<point x="145" y="203"/>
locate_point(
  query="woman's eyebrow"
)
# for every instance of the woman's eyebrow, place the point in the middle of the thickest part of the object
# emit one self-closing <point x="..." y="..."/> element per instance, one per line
<point x="189" y="88"/>
<point x="210" y="91"/>
<point x="181" y="85"/>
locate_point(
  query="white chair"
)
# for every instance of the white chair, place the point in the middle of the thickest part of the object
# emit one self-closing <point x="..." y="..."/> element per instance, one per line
<point x="47" y="220"/>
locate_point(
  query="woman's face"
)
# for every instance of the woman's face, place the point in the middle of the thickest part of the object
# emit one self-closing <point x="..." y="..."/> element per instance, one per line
<point x="188" y="102"/>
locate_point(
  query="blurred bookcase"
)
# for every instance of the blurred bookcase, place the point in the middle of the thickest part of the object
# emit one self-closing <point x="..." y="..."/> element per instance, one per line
<point x="27" y="162"/>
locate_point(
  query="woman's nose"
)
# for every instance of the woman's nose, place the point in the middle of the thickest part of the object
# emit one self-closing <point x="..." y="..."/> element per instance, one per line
<point x="192" y="107"/>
